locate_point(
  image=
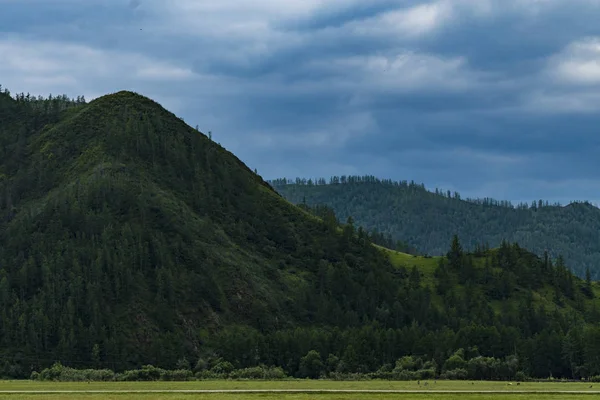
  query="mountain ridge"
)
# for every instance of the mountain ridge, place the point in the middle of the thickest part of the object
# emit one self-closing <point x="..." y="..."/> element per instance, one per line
<point x="129" y="238"/>
<point x="427" y="220"/>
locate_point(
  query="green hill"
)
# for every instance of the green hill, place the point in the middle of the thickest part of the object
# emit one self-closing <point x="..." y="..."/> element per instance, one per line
<point x="428" y="220"/>
<point x="123" y="227"/>
<point x="129" y="238"/>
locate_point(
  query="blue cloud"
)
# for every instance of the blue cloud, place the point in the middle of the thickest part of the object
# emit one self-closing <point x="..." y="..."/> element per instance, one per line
<point x="336" y="17"/>
<point x="478" y="96"/>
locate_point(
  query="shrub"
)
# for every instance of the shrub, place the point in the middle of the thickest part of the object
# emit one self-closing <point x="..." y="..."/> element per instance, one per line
<point x="521" y="376"/>
<point x="52" y="373"/>
<point x="455" y="374"/>
<point x="222" y="367"/>
<point x="455" y="361"/>
<point x="146" y="373"/>
<point x="275" y="373"/>
<point x="248" y="373"/>
<point x="311" y="365"/>
<point x="176" y="375"/>
<point x="385" y="372"/>
<point x="183" y="364"/>
<point x="58" y="372"/>
<point x="201" y="365"/>
<point x="409" y="363"/>
<point x="405" y="375"/>
<point x="426" y="373"/>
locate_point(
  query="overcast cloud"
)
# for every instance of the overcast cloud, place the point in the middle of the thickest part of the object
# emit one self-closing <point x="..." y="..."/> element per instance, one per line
<point x="493" y="98"/>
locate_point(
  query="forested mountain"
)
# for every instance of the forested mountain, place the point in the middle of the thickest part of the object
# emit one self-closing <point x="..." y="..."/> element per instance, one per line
<point x="124" y="228"/>
<point x="427" y="220"/>
<point x="129" y="238"/>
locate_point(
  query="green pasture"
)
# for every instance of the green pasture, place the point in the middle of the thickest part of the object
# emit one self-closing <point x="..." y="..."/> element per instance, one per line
<point x="428" y="390"/>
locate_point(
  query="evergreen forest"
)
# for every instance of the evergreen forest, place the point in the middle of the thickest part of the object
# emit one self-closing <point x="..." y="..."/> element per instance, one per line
<point x="131" y="242"/>
<point x="426" y="220"/>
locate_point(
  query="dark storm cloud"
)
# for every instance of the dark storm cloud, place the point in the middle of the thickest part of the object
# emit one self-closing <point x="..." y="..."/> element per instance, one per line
<point x="488" y="97"/>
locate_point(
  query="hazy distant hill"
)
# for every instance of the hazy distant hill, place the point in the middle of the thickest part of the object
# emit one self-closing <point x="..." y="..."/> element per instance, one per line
<point x="428" y="220"/>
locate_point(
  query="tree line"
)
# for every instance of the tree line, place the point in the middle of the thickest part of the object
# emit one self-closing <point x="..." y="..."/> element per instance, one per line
<point x="358" y="179"/>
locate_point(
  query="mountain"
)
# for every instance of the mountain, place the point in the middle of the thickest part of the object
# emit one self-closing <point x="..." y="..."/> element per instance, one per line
<point x="428" y="220"/>
<point x="122" y="227"/>
<point x="129" y="238"/>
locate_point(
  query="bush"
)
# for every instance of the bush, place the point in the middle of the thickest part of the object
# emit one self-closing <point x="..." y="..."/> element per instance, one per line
<point x="52" y="373"/>
<point x="201" y="365"/>
<point x="176" y="375"/>
<point x="58" y="372"/>
<point x="248" y="373"/>
<point x="405" y="375"/>
<point x="259" y="372"/>
<point x="98" y="375"/>
<point x="455" y="361"/>
<point x="222" y="367"/>
<point x="385" y="372"/>
<point x="409" y="363"/>
<point x="183" y="364"/>
<point x="520" y="376"/>
<point x="275" y="373"/>
<point x="426" y="373"/>
<point x="430" y="365"/>
<point x="483" y="368"/>
<point x="146" y="373"/>
<point x="455" y="374"/>
<point x="311" y="365"/>
<point x="14" y="371"/>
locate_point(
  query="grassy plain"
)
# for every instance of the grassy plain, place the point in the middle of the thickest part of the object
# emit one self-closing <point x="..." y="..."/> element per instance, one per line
<point x="144" y="390"/>
<point x="300" y="396"/>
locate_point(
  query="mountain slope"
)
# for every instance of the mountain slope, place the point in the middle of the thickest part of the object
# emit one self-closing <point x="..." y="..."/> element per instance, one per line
<point x="127" y="238"/>
<point x="124" y="227"/>
<point x="428" y="220"/>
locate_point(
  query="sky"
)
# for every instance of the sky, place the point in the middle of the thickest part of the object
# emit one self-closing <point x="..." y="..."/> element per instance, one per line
<point x="491" y="98"/>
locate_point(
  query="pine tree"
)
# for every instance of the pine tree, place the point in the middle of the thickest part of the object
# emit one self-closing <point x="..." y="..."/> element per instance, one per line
<point x="455" y="254"/>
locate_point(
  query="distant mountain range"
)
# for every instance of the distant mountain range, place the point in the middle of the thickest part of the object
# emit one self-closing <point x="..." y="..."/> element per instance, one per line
<point x="427" y="220"/>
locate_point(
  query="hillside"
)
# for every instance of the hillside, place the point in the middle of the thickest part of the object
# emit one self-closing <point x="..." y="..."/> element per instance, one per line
<point x="428" y="220"/>
<point x="124" y="227"/>
<point x="129" y="238"/>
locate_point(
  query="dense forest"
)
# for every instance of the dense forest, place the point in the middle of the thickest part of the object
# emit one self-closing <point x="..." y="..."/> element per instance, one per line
<point x="427" y="220"/>
<point x="129" y="238"/>
<point x="379" y="238"/>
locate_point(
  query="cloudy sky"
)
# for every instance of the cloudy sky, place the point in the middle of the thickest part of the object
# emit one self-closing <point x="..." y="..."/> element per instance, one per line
<point x="493" y="98"/>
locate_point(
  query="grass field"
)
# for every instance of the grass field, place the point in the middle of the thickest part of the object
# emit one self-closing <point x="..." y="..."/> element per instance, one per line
<point x="143" y="390"/>
<point x="298" y="396"/>
<point x="426" y="265"/>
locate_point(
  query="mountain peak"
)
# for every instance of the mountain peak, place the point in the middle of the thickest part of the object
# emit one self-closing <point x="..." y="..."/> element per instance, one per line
<point x="126" y="98"/>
